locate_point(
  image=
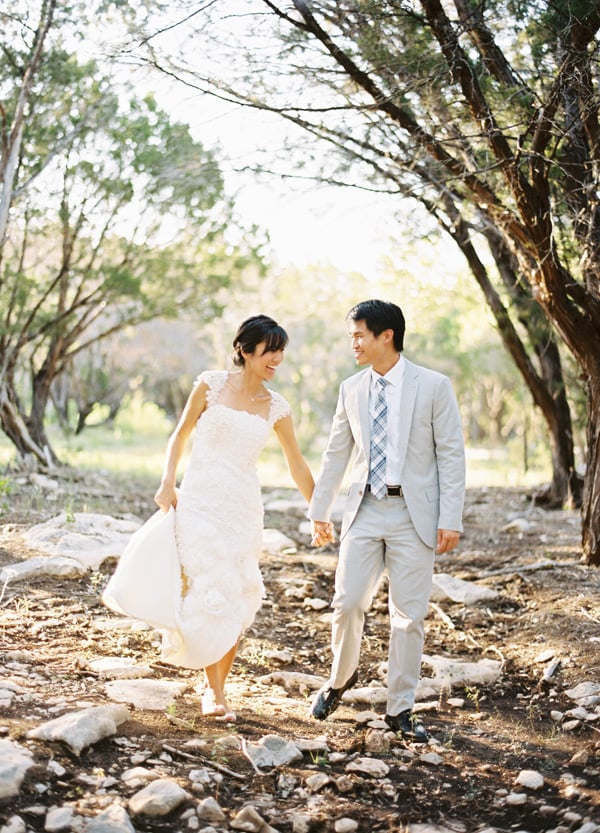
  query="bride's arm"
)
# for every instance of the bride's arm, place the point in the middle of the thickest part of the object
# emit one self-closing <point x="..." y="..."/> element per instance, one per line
<point x="166" y="495"/>
<point x="297" y="465"/>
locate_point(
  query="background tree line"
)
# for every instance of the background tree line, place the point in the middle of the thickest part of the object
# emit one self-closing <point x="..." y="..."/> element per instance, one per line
<point x="496" y="136"/>
<point x="112" y="214"/>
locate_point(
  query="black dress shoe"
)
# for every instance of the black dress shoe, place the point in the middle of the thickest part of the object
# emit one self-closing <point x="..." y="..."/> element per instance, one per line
<point x="328" y="699"/>
<point x="408" y="725"/>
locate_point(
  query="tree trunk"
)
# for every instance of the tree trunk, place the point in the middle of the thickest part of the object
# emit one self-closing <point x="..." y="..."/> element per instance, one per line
<point x="567" y="485"/>
<point x="547" y="387"/>
<point x="40" y="395"/>
<point x="591" y="493"/>
<point x="15" y="425"/>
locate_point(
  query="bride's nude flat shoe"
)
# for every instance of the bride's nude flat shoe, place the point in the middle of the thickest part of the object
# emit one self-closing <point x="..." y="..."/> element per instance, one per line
<point x="227" y="717"/>
<point x="209" y="706"/>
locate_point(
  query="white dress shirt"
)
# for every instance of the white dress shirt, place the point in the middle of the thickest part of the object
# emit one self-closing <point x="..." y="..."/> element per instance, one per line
<point x="393" y="393"/>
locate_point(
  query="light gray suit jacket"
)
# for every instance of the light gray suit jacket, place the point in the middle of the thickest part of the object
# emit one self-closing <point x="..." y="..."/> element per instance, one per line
<point x="431" y="446"/>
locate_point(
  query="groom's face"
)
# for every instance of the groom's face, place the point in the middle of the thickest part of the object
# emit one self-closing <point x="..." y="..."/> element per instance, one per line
<point x="367" y="348"/>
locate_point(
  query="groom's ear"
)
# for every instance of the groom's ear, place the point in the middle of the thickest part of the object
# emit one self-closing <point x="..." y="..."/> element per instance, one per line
<point x="387" y="336"/>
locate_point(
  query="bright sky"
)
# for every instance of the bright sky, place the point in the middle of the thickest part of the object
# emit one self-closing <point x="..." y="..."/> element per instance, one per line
<point x="348" y="228"/>
<point x="307" y="222"/>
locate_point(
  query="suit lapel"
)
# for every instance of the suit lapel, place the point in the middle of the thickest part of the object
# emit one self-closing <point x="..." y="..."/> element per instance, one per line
<point x="408" y="397"/>
<point x="362" y="406"/>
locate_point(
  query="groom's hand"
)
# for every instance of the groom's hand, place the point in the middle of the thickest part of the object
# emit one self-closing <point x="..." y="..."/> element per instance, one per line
<point x="447" y="539"/>
<point x="322" y="533"/>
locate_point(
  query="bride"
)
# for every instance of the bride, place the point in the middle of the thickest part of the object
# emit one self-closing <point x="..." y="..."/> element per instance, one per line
<point x="219" y="512"/>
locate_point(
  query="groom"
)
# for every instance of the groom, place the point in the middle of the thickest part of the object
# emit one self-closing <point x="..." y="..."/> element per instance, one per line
<point x="404" y="503"/>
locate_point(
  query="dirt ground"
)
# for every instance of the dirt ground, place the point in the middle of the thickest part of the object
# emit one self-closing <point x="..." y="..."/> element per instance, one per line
<point x="548" y="602"/>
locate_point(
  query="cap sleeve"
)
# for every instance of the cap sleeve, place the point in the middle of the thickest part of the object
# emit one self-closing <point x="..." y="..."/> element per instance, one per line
<point x="215" y="381"/>
<point x="280" y="407"/>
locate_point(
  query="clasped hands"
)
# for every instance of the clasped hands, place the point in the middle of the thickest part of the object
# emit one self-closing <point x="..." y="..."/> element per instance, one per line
<point x="322" y="532"/>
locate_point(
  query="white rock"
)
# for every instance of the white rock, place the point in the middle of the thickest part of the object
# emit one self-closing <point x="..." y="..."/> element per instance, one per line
<point x="82" y="728"/>
<point x="369" y="766"/>
<point x="43" y="482"/>
<point x="456" y="702"/>
<point x="301" y="823"/>
<point x="317" y="781"/>
<point x="318" y="744"/>
<point x="15" y="824"/>
<point x="271" y="750"/>
<point x="449" y="672"/>
<point x="118" y="668"/>
<point x="379" y="723"/>
<point x="316" y="604"/>
<point x="6" y="697"/>
<point x="588" y="827"/>
<point x="344" y="783"/>
<point x="371" y="695"/>
<point x="376" y="742"/>
<point x="446" y="586"/>
<point x="431" y="758"/>
<point x="293" y="681"/>
<point x="158" y="799"/>
<point x="296" y="588"/>
<point x="42" y="566"/>
<point x="200" y="776"/>
<point x="345" y="825"/>
<point x="56" y="768"/>
<point x="516" y="799"/>
<point x="248" y="819"/>
<point x="366" y="716"/>
<point x="112" y="820"/>
<point x="577" y="714"/>
<point x="59" y="818"/>
<point x="584" y="692"/>
<point x="15" y="760"/>
<point x="209" y="810"/>
<point x="139" y="774"/>
<point x="530" y="779"/>
<point x="284" y="657"/>
<point x="153" y="695"/>
<point x="275" y="541"/>
<point x="580" y="758"/>
<point x="549" y="653"/>
<point x="85" y="537"/>
<point x="556" y="716"/>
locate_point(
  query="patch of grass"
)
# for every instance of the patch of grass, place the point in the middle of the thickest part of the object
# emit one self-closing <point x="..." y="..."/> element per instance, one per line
<point x="135" y="446"/>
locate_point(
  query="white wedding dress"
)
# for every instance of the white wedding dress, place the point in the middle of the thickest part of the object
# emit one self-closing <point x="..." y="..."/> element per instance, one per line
<point x="218" y="525"/>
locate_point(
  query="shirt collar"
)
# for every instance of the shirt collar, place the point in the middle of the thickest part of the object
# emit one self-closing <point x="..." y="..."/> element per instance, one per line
<point x="394" y="374"/>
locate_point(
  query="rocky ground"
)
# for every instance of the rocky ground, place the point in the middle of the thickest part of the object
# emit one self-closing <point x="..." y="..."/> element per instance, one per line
<point x="518" y="752"/>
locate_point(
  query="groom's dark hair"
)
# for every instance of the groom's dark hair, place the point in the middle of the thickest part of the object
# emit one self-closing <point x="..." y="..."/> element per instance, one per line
<point x="380" y="316"/>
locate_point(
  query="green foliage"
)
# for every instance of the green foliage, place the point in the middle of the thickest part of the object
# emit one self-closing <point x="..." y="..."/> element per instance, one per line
<point x="118" y="214"/>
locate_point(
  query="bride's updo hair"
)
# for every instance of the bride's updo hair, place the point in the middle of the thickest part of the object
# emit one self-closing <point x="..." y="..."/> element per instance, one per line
<point x="252" y="332"/>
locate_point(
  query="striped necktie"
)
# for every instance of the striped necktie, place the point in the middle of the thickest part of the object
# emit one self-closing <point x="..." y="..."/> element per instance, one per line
<point x="378" y="440"/>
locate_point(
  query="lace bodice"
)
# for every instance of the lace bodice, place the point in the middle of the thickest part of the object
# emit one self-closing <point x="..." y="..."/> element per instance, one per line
<point x="215" y="379"/>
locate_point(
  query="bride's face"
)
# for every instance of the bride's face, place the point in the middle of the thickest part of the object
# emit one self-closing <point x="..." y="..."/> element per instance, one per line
<point x="263" y="362"/>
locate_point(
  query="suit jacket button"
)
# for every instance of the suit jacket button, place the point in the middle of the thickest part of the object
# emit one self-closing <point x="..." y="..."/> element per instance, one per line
<point x="361" y="492"/>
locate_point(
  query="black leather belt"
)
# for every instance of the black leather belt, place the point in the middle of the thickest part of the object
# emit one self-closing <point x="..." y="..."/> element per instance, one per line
<point x="392" y="491"/>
